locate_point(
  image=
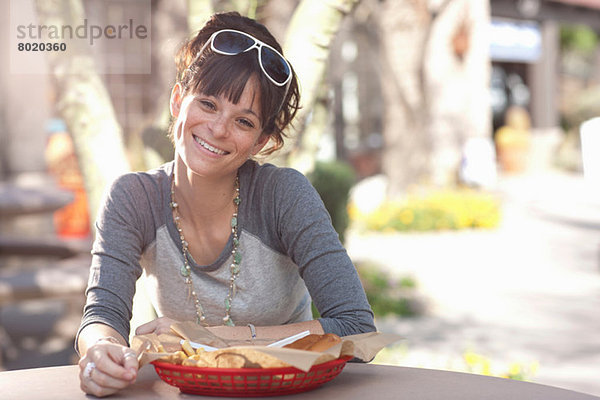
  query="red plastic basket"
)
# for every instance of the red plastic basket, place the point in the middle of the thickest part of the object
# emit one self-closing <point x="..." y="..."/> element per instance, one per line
<point x="247" y="382"/>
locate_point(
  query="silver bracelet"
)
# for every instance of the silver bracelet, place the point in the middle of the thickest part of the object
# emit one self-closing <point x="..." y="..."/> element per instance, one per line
<point x="110" y="339"/>
<point x="252" y="331"/>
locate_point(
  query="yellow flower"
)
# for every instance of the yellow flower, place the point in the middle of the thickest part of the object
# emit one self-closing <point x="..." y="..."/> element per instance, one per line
<point x="434" y="210"/>
<point x="533" y="367"/>
<point x="406" y="216"/>
<point x="486" y="368"/>
<point x="472" y="359"/>
<point x="514" y="369"/>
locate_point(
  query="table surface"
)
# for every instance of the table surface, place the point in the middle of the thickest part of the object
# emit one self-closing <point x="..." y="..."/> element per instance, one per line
<point x="357" y="381"/>
<point x="16" y="199"/>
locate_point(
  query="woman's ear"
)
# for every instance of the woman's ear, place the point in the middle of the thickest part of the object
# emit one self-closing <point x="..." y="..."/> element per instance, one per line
<point x="263" y="139"/>
<point x="176" y="99"/>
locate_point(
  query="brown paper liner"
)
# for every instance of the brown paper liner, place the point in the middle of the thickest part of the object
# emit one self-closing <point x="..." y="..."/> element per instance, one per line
<point x="362" y="346"/>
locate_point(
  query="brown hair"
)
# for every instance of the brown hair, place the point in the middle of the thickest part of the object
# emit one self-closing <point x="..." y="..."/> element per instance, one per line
<point x="213" y="74"/>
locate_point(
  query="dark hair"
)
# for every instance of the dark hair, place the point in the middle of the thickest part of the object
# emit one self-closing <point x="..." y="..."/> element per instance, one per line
<point x="214" y="74"/>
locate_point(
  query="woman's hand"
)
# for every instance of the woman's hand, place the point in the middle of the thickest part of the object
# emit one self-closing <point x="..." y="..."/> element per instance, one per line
<point x="106" y="368"/>
<point x="158" y="326"/>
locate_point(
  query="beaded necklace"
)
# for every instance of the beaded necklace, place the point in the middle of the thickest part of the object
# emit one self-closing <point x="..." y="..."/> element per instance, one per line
<point x="234" y="268"/>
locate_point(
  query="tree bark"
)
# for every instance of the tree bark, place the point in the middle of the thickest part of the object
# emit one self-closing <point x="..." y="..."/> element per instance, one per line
<point x="310" y="34"/>
<point x="434" y="99"/>
<point x="199" y="11"/>
<point x="84" y="104"/>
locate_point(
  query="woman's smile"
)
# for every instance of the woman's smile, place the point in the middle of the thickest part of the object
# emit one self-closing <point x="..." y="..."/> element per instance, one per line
<point x="210" y="147"/>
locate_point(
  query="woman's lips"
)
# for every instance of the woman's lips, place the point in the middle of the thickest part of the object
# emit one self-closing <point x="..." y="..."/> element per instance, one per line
<point x="210" y="147"/>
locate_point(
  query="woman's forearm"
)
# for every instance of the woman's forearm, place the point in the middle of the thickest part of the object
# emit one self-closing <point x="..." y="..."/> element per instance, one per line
<point x="266" y="332"/>
<point x="93" y="333"/>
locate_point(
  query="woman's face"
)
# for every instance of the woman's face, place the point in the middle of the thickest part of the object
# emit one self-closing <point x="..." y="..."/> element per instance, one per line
<point x="214" y="136"/>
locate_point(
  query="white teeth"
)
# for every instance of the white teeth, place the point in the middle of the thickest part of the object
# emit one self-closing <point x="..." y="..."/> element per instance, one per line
<point x="209" y="147"/>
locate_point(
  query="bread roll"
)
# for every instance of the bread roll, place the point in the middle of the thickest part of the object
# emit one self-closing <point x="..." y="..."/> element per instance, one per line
<point x="315" y="342"/>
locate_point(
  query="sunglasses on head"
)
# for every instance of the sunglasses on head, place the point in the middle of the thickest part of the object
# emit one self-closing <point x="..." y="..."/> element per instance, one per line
<point x="230" y="42"/>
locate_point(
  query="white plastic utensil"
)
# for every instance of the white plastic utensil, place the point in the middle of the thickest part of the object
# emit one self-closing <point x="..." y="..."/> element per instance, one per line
<point x="279" y="343"/>
<point x="289" y="340"/>
<point x="200" y="346"/>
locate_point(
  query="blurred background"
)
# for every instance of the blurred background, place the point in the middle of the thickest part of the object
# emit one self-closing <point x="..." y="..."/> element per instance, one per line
<point x="456" y="144"/>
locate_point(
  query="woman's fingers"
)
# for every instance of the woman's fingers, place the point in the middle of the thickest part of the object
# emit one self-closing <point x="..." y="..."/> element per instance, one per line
<point x="106" y="380"/>
<point x="93" y="381"/>
<point x="147" y="328"/>
<point x="90" y="387"/>
<point x="120" y="363"/>
<point x="106" y="368"/>
<point x="131" y="365"/>
<point x="158" y="326"/>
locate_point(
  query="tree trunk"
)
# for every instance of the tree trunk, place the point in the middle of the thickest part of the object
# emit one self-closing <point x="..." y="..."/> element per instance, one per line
<point x="308" y="39"/>
<point x="434" y="96"/>
<point x="276" y="15"/>
<point x="84" y="104"/>
<point x="169" y="29"/>
<point x="199" y="11"/>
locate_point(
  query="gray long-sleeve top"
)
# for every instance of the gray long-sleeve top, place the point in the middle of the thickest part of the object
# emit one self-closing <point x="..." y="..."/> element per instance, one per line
<point x="290" y="255"/>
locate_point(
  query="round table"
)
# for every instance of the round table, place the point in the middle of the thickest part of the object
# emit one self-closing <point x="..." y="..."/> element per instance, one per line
<point x="357" y="381"/>
<point x="18" y="199"/>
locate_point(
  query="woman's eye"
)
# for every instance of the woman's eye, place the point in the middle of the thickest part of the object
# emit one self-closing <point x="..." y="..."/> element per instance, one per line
<point x="246" y="123"/>
<point x="207" y="104"/>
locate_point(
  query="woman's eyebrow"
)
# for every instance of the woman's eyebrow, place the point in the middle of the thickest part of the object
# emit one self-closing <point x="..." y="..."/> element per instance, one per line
<point x="250" y="111"/>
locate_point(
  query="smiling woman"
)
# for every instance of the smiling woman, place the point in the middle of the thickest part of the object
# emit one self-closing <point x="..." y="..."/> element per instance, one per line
<point x="213" y="135"/>
<point x="239" y="247"/>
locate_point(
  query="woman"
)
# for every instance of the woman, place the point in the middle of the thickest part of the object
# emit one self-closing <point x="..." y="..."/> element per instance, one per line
<point x="239" y="247"/>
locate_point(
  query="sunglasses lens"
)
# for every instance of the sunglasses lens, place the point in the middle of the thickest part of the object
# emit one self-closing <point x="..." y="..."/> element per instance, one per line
<point x="275" y="65"/>
<point x="232" y="42"/>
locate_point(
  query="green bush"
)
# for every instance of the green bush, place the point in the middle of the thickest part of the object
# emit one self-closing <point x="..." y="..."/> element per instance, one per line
<point x="333" y="181"/>
<point x="387" y="295"/>
<point x="432" y="211"/>
<point x="578" y="38"/>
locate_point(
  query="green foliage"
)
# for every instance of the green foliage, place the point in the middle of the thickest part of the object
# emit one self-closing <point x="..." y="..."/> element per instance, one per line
<point x="315" y="313"/>
<point x="387" y="295"/>
<point x="579" y="38"/>
<point x="333" y="181"/>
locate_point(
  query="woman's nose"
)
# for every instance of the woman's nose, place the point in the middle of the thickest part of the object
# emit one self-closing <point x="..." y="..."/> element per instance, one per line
<point x="218" y="126"/>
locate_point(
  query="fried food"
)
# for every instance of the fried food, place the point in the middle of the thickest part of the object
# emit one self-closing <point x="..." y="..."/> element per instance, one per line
<point x="187" y="348"/>
<point x="315" y="342"/>
<point x="225" y="358"/>
<point x="246" y="357"/>
<point x="197" y="360"/>
<point x="176" y="358"/>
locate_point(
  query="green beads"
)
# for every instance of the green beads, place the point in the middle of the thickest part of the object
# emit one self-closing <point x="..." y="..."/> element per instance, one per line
<point x="184" y="271"/>
<point x="237" y="258"/>
<point x="235" y="269"/>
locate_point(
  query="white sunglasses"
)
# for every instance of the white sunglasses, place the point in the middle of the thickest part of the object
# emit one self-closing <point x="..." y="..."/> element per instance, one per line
<point x="230" y="42"/>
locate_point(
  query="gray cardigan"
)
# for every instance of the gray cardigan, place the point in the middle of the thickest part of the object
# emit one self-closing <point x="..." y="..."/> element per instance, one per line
<point x="290" y="255"/>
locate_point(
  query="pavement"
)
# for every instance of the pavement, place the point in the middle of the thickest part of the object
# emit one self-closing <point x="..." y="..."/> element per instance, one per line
<point x="524" y="296"/>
